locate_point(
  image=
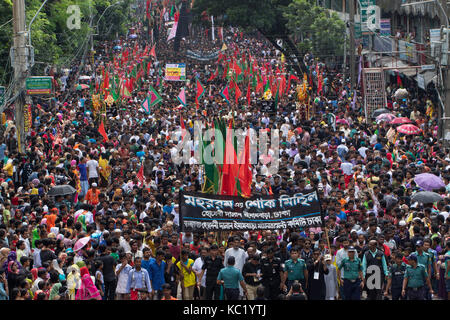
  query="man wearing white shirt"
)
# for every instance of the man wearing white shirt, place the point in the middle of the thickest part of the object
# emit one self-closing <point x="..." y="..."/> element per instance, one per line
<point x="362" y="150"/>
<point x="197" y="268"/>
<point x="23" y="235"/>
<point x="347" y="167"/>
<point x="240" y="256"/>
<point x="93" y="169"/>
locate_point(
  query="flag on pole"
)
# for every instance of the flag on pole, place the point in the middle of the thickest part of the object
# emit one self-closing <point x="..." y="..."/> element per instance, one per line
<point x="248" y="94"/>
<point x="182" y="97"/>
<point x="140" y="175"/>
<point x="292" y="77"/>
<point x="146" y="105"/>
<point x="237" y="93"/>
<point x="230" y="170"/>
<point x="245" y="170"/>
<point x="154" y="96"/>
<point x="214" y="75"/>
<point x="267" y="92"/>
<point x="173" y="31"/>
<point x="200" y="91"/>
<point x="226" y="94"/>
<point x="101" y="130"/>
<point x="153" y="51"/>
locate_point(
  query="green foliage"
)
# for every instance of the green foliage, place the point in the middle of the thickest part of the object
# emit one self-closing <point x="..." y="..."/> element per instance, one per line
<point x="5" y="40"/>
<point x="262" y="15"/>
<point x="54" y="43"/>
<point x="318" y="30"/>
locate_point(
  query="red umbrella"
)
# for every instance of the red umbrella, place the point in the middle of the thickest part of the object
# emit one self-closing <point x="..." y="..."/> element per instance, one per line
<point x="401" y="120"/>
<point x="409" y="129"/>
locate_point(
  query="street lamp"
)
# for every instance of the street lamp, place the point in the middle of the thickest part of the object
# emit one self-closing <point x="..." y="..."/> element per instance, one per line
<point x="32" y="20"/>
<point x="118" y="2"/>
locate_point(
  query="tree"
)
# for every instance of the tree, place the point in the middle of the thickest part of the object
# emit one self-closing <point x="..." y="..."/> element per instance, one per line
<point x="265" y="16"/>
<point x="318" y="30"/>
<point x="116" y="14"/>
<point x="6" y="31"/>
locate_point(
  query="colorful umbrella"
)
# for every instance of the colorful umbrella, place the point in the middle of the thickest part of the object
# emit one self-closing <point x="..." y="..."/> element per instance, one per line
<point x="401" y="120"/>
<point x="429" y="181"/>
<point x="82" y="86"/>
<point x="342" y="121"/>
<point x="385" y="117"/>
<point x="409" y="129"/>
<point x="81" y="243"/>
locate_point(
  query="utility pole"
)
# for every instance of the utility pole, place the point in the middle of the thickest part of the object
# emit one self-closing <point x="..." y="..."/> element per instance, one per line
<point x="20" y="52"/>
<point x="344" y="69"/>
<point x="352" y="44"/>
<point x="446" y="76"/>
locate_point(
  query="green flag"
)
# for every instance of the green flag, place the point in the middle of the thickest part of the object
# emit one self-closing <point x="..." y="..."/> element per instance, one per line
<point x="276" y="99"/>
<point x="211" y="183"/>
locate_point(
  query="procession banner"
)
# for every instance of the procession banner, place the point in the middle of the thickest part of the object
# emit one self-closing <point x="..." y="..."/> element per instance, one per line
<point x="202" y="56"/>
<point x="206" y="212"/>
<point x="175" y="72"/>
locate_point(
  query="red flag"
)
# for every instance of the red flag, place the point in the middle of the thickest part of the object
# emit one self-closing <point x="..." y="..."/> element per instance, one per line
<point x="237" y="69"/>
<point x="283" y="84"/>
<point x="245" y="169"/>
<point x="213" y="75"/>
<point x="200" y="91"/>
<point x="225" y="71"/>
<point x="292" y="77"/>
<point x="101" y="130"/>
<point x="230" y="166"/>
<point x="237" y="93"/>
<point x="232" y="83"/>
<point x="248" y="94"/>
<point x="106" y="82"/>
<point x="259" y="85"/>
<point x="153" y="52"/>
<point x="140" y="175"/>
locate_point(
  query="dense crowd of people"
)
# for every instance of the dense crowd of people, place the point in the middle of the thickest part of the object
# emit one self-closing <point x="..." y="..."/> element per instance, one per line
<point x="118" y="238"/>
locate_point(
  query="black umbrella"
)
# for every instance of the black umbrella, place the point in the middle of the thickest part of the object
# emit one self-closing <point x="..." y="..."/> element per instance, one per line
<point x="426" y="197"/>
<point x="377" y="112"/>
<point x="391" y="201"/>
<point x="61" y="190"/>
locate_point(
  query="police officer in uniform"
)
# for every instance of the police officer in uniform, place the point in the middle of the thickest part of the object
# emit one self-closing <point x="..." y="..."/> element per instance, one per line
<point x="353" y="276"/>
<point x="425" y="259"/>
<point x="272" y="272"/>
<point x="395" y="278"/>
<point x="416" y="276"/>
<point x="374" y="257"/>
